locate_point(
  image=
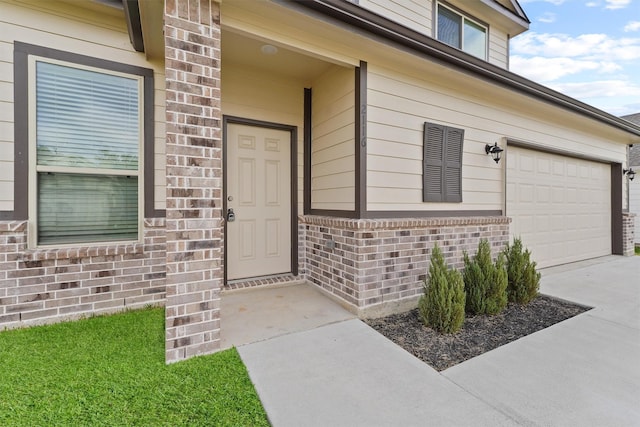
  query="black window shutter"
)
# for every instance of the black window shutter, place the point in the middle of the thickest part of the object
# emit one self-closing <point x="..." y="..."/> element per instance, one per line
<point x="442" y="164"/>
<point x="453" y="165"/>
<point x="433" y="165"/>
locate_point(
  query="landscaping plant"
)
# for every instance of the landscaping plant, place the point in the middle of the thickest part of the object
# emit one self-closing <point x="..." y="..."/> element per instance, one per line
<point x="442" y="305"/>
<point x="485" y="282"/>
<point x="523" y="279"/>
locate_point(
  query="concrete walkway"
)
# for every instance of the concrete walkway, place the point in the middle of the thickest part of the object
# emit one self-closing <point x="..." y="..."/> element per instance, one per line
<point x="581" y="372"/>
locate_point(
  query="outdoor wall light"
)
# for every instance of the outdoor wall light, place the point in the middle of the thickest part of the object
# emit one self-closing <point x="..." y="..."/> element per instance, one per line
<point x="494" y="150"/>
<point x="630" y="173"/>
<point x="268" y="49"/>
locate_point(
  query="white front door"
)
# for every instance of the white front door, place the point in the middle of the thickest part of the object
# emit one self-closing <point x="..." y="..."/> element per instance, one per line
<point x="259" y="193"/>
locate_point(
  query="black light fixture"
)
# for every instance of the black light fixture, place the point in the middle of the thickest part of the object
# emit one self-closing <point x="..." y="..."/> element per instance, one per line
<point x="630" y="173"/>
<point x="494" y="150"/>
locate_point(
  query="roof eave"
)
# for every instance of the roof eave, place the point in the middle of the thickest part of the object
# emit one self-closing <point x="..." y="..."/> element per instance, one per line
<point x="132" y="16"/>
<point x="371" y="22"/>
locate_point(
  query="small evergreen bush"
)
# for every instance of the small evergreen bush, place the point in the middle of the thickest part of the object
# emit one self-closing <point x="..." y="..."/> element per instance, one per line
<point x="485" y="282"/>
<point x="523" y="279"/>
<point x="442" y="305"/>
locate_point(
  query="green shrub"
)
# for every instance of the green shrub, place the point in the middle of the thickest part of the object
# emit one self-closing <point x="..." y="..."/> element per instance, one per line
<point x="485" y="282"/>
<point x="442" y="305"/>
<point x="523" y="279"/>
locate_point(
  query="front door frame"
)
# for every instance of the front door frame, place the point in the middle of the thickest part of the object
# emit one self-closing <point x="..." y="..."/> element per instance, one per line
<point x="293" y="132"/>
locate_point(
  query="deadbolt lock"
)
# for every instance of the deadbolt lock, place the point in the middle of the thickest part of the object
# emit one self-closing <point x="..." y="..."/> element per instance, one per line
<point x="231" y="215"/>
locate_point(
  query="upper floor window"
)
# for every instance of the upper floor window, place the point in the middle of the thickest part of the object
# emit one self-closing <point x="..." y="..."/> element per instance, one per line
<point x="461" y="32"/>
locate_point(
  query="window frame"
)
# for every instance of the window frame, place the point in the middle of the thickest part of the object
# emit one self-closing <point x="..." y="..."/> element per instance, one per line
<point x="35" y="169"/>
<point x="25" y="173"/>
<point x="463" y="16"/>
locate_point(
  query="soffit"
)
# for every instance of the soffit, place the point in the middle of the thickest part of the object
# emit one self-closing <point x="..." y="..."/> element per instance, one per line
<point x="244" y="51"/>
<point x="494" y="13"/>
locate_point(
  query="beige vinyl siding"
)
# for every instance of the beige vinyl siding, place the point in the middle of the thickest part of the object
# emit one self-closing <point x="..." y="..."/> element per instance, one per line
<point x="498" y="47"/>
<point x="257" y="95"/>
<point x="400" y="103"/>
<point x="160" y="135"/>
<point x="414" y="14"/>
<point x="406" y="89"/>
<point x="67" y="26"/>
<point x="6" y="124"/>
<point x="332" y="143"/>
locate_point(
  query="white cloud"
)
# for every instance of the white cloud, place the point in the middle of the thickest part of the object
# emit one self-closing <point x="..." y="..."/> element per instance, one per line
<point x="591" y="47"/>
<point x="598" y="89"/>
<point x="617" y="4"/>
<point x="550" y="69"/>
<point x="592" y="4"/>
<point x="632" y="26"/>
<point x="548" y="18"/>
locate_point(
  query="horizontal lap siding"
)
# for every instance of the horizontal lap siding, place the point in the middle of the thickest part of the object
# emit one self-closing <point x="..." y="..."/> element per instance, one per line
<point x="68" y="28"/>
<point x="414" y="14"/>
<point x="333" y="135"/>
<point x="498" y="51"/>
<point x="400" y="103"/>
<point x="397" y="111"/>
<point x="6" y="121"/>
<point x="258" y="95"/>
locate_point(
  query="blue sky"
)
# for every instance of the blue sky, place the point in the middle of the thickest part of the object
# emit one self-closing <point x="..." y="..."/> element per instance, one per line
<point x="587" y="49"/>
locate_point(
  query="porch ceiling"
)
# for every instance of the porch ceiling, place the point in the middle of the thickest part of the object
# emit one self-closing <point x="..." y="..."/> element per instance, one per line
<point x="245" y="51"/>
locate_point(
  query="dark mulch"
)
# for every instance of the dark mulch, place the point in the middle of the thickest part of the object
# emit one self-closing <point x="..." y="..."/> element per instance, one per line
<point x="479" y="334"/>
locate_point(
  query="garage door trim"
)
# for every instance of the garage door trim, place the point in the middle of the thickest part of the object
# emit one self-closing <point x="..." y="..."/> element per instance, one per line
<point x="559" y="151"/>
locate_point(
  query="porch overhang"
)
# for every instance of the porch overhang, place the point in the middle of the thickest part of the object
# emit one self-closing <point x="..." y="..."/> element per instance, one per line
<point x="145" y="26"/>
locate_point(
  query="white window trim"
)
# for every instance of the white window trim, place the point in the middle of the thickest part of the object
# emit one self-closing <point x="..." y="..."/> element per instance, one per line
<point x="468" y="18"/>
<point x="34" y="168"/>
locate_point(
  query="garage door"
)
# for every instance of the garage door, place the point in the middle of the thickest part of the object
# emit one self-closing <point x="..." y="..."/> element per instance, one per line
<point x="560" y="206"/>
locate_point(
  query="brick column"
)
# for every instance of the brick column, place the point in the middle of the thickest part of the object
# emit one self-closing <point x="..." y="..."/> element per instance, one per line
<point x="628" y="233"/>
<point x="194" y="178"/>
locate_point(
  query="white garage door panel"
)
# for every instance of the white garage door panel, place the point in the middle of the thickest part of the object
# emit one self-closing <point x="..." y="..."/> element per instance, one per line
<point x="560" y="206"/>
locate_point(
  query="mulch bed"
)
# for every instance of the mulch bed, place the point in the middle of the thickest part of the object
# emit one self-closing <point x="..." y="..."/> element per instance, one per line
<point x="479" y="334"/>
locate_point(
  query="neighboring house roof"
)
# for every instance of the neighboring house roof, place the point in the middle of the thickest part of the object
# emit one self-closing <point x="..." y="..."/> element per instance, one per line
<point x="634" y="152"/>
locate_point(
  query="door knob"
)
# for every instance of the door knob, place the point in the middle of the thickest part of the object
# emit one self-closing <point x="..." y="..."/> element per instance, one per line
<point x="231" y="215"/>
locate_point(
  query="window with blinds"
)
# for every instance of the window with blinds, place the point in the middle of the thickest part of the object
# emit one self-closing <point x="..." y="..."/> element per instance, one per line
<point x="442" y="164"/>
<point x="459" y="31"/>
<point x="87" y="142"/>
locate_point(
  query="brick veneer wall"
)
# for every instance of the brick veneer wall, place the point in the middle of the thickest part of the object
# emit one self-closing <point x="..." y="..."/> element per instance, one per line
<point x="376" y="267"/>
<point x="628" y="233"/>
<point x="49" y="285"/>
<point x="194" y="178"/>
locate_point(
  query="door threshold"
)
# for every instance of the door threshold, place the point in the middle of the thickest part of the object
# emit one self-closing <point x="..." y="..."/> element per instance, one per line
<point x="261" y="281"/>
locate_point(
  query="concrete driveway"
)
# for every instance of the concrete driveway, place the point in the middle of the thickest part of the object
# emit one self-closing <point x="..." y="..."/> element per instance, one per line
<point x="581" y="372"/>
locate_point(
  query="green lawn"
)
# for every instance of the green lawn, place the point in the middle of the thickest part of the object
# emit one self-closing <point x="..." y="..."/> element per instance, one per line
<point x="110" y="371"/>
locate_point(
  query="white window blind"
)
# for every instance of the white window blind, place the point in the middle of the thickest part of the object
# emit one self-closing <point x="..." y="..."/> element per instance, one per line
<point x="88" y="143"/>
<point x="460" y="32"/>
<point x="449" y="30"/>
<point x="86" y="119"/>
